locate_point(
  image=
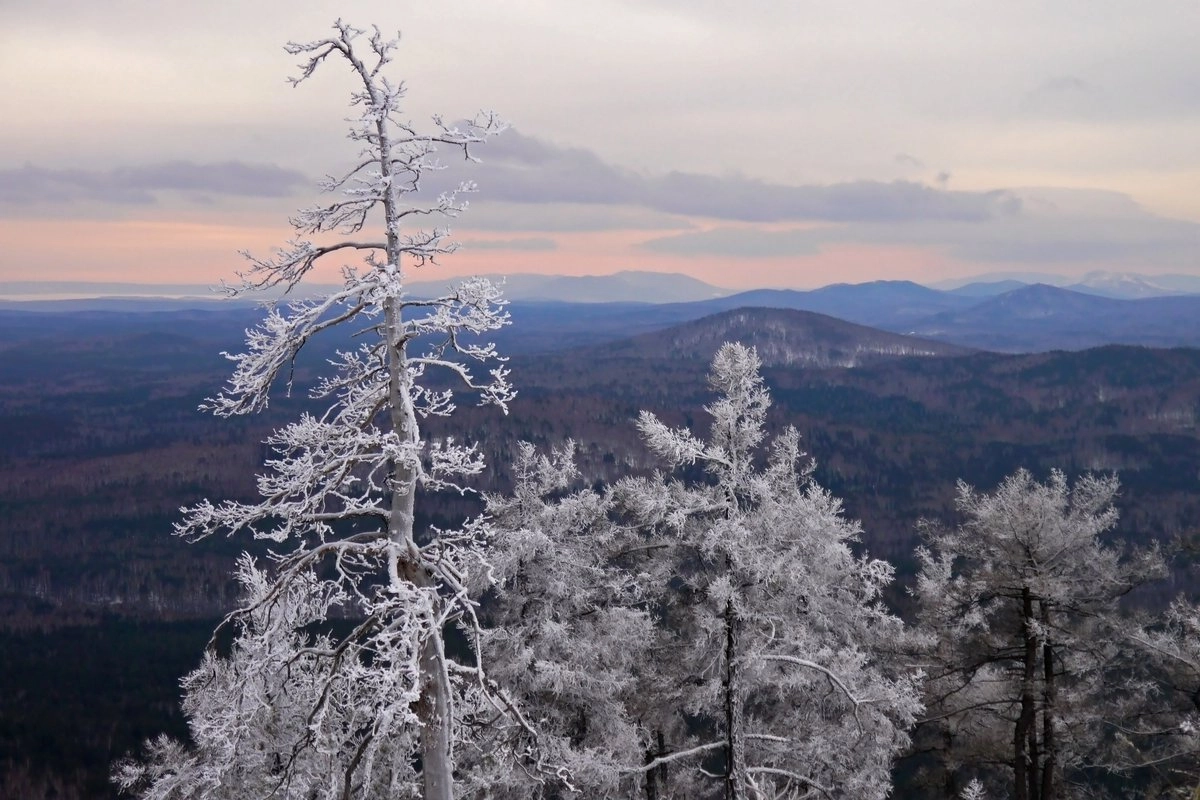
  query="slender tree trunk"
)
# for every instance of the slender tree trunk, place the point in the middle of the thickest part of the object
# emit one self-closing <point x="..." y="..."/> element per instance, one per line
<point x="950" y="786"/>
<point x="735" y="755"/>
<point x="434" y="712"/>
<point x="1049" y="711"/>
<point x="434" y="706"/>
<point x="651" y="777"/>
<point x="656" y="779"/>
<point x="1035" y="760"/>
<point x="663" y="768"/>
<point x="1026" y="719"/>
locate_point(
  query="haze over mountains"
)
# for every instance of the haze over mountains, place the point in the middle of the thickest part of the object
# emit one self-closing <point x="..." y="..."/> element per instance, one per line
<point x="627" y="286"/>
<point x="551" y="312"/>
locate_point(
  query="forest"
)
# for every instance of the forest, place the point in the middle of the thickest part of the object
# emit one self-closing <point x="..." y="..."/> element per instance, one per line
<point x="762" y="554"/>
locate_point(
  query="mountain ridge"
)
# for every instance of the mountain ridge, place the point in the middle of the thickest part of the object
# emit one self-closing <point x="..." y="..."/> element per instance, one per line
<point x="783" y="337"/>
<point x="1028" y="318"/>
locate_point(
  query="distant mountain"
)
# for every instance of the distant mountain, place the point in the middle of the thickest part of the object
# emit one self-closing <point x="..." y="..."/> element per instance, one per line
<point x="1179" y="283"/>
<point x="1041" y="317"/>
<point x="621" y="287"/>
<point x="987" y="288"/>
<point x="881" y="303"/>
<point x="1037" y="302"/>
<point x="544" y="326"/>
<point x="878" y="304"/>
<point x="1023" y="278"/>
<point x="1126" y="286"/>
<point x="987" y="315"/>
<point x="783" y="337"/>
<point x="1120" y="285"/>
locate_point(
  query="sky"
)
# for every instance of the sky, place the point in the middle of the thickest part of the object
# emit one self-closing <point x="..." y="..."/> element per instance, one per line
<point x="748" y="143"/>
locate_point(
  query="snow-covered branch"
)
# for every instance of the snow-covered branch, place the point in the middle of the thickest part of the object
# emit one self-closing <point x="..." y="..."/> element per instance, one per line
<point x="375" y="710"/>
<point x="761" y="570"/>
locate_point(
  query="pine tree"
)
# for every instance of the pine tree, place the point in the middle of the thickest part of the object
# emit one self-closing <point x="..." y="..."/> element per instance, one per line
<point x="568" y="630"/>
<point x="1021" y="602"/>
<point x="772" y="630"/>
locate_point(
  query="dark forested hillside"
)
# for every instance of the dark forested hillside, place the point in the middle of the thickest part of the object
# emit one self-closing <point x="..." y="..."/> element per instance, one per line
<point x="101" y="443"/>
<point x="782" y="337"/>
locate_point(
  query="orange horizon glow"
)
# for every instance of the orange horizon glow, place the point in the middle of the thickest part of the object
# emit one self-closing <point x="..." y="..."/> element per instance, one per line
<point x="205" y="250"/>
<point x="154" y="251"/>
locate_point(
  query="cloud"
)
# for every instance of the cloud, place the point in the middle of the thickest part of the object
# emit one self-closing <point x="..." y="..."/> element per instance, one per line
<point x="1055" y="227"/>
<point x="530" y="244"/>
<point x="755" y="201"/>
<point x="523" y="169"/>
<point x="139" y="185"/>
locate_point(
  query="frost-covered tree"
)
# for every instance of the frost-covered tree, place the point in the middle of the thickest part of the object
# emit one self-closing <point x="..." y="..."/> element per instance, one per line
<point x="303" y="707"/>
<point x="1021" y="600"/>
<point x="250" y="714"/>
<point x="1161" y="743"/>
<point x="772" y="630"/>
<point x="973" y="791"/>
<point x="567" y="632"/>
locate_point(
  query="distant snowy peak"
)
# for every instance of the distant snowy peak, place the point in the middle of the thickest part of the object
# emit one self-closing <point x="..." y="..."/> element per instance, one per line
<point x="1122" y="285"/>
<point x="1103" y="283"/>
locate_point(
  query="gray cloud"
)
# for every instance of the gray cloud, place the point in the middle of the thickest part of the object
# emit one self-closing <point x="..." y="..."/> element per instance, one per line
<point x="530" y="244"/>
<point x="1072" y="227"/>
<point x="755" y="201"/>
<point x="522" y="169"/>
<point x="138" y="185"/>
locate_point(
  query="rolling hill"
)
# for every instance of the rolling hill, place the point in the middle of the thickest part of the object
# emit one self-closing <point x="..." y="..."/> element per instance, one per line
<point x="783" y="337"/>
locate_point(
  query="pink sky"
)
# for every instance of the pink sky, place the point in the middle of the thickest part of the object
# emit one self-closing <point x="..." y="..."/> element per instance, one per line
<point x="165" y="251"/>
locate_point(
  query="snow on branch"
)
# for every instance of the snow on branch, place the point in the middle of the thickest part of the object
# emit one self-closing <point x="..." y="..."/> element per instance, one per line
<point x="294" y="710"/>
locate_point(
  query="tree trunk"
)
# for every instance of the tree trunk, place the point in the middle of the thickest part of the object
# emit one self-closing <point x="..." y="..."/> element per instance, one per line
<point x="735" y="755"/>
<point x="434" y="706"/>
<point x="1049" y="710"/>
<point x="656" y="779"/>
<point x="1034" y="756"/>
<point x="437" y="753"/>
<point x="651" y="777"/>
<point x="1026" y="719"/>
<point x="662" y="768"/>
